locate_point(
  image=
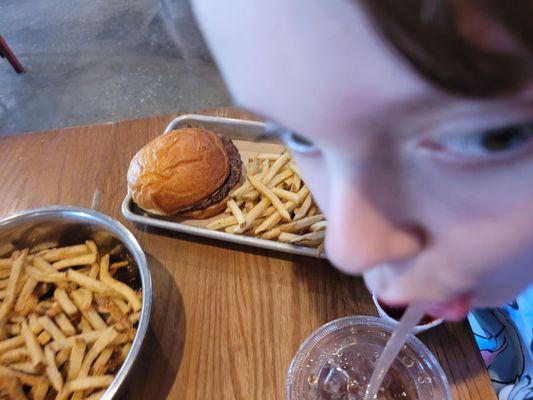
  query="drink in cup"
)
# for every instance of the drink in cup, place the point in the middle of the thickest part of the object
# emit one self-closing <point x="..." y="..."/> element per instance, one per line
<point x="337" y="361"/>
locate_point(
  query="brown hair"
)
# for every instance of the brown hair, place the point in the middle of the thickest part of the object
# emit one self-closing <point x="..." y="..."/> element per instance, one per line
<point x="426" y="34"/>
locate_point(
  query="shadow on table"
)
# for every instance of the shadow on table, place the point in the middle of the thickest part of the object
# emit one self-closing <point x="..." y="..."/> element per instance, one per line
<point x="329" y="293"/>
<point x="155" y="371"/>
<point x="222" y="244"/>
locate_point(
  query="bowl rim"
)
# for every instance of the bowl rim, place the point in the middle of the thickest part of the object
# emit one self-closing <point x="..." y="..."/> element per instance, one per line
<point x="81" y="215"/>
<point x="416" y="330"/>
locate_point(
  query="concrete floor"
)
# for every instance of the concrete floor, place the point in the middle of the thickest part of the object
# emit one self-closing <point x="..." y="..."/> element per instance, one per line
<point x="102" y="60"/>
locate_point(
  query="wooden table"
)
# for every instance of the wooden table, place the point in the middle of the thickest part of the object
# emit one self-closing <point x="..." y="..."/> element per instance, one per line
<point x="227" y="319"/>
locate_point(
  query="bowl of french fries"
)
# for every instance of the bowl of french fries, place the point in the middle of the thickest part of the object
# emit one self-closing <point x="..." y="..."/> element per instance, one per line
<point x="76" y="296"/>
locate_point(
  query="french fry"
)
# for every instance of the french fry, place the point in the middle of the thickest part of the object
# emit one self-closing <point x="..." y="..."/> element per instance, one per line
<point x="292" y="238"/>
<point x="269" y="211"/>
<point x="5" y="263"/>
<point x="119" y="287"/>
<point x="86" y="297"/>
<point x="115" y="312"/>
<point x="13" y="329"/>
<point x="91" y="382"/>
<point x="274" y="219"/>
<point x="117" y="265"/>
<point x="271" y="234"/>
<point x="96" y="395"/>
<point x="61" y="253"/>
<point x="295" y="169"/>
<point x="302" y="211"/>
<point x="43" y="246"/>
<point x="62" y="356"/>
<point x="3" y="283"/>
<point x="87" y="282"/>
<point x="34" y="349"/>
<point x="64" y="301"/>
<point x="254" y="213"/>
<point x="43" y="265"/>
<point x="65" y="325"/>
<point x="14" y="355"/>
<point x="319" y="226"/>
<point x="95" y="267"/>
<point x="76" y="359"/>
<point x="286" y="195"/>
<point x="54" y="310"/>
<point x="51" y="369"/>
<point x="251" y="196"/>
<point x="91" y="246"/>
<point x="34" y="325"/>
<point x="222" y="223"/>
<point x="85" y="259"/>
<point x="43" y="338"/>
<point x="27" y="290"/>
<point x="87" y="337"/>
<point x="254" y="166"/>
<point x="276" y="202"/>
<point x="275" y="168"/>
<point x="122" y="305"/>
<point x="282" y="176"/>
<point x="42" y="276"/>
<point x="124" y="352"/>
<point x="26" y="379"/>
<point x="267" y="156"/>
<point x="15" y="275"/>
<point x="26" y="367"/>
<point x="301" y="224"/>
<point x="38" y="392"/>
<point x="11" y="343"/>
<point x="107" y="337"/>
<point x="237" y="213"/>
<point x="51" y="328"/>
<point x="13" y="388"/>
<point x="5" y="273"/>
<point x="89" y="313"/>
<point x="100" y="364"/>
<point x="296" y="182"/>
<point x="84" y="326"/>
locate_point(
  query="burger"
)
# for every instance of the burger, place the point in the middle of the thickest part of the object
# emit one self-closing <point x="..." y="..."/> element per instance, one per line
<point x="188" y="171"/>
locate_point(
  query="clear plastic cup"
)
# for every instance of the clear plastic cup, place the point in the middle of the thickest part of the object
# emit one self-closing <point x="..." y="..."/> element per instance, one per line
<point x="337" y="360"/>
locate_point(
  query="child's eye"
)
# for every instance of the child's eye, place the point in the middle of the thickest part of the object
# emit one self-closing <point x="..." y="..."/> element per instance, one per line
<point x="499" y="142"/>
<point x="508" y="138"/>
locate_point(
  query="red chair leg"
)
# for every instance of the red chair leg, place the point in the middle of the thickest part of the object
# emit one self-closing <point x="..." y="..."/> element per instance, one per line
<point x="6" y="52"/>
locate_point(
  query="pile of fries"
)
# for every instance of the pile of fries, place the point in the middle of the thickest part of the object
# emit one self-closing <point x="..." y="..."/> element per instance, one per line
<point x="274" y="203"/>
<point x="66" y="324"/>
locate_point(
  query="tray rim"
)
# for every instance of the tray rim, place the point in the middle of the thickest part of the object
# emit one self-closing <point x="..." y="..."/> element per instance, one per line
<point x="130" y="215"/>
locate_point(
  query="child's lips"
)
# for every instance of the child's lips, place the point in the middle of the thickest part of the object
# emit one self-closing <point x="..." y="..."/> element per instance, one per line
<point x="454" y="310"/>
<point x="396" y="312"/>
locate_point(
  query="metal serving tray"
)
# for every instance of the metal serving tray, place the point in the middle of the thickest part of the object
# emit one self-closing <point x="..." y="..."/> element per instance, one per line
<point x="243" y="133"/>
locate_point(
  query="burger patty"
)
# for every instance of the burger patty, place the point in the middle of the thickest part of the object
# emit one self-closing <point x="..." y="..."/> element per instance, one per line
<point x="234" y="176"/>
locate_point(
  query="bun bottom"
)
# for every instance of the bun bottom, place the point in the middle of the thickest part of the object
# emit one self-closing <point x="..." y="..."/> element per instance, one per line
<point x="211" y="211"/>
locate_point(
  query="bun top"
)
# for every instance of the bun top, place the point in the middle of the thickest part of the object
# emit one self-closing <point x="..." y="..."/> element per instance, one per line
<point x="177" y="170"/>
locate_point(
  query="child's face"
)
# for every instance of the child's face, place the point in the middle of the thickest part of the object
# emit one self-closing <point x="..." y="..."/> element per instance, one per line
<point x="421" y="193"/>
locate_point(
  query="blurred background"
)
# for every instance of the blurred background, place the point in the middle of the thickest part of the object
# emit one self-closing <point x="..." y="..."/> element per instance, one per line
<point x="101" y="61"/>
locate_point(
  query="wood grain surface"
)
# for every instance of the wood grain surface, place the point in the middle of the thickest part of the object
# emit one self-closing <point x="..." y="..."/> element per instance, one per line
<point x="227" y="319"/>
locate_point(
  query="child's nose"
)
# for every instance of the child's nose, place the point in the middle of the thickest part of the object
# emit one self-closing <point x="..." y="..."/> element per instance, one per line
<point x="360" y="236"/>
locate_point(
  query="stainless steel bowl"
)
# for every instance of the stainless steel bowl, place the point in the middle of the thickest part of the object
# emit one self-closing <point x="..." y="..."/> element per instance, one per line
<point x="71" y="225"/>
